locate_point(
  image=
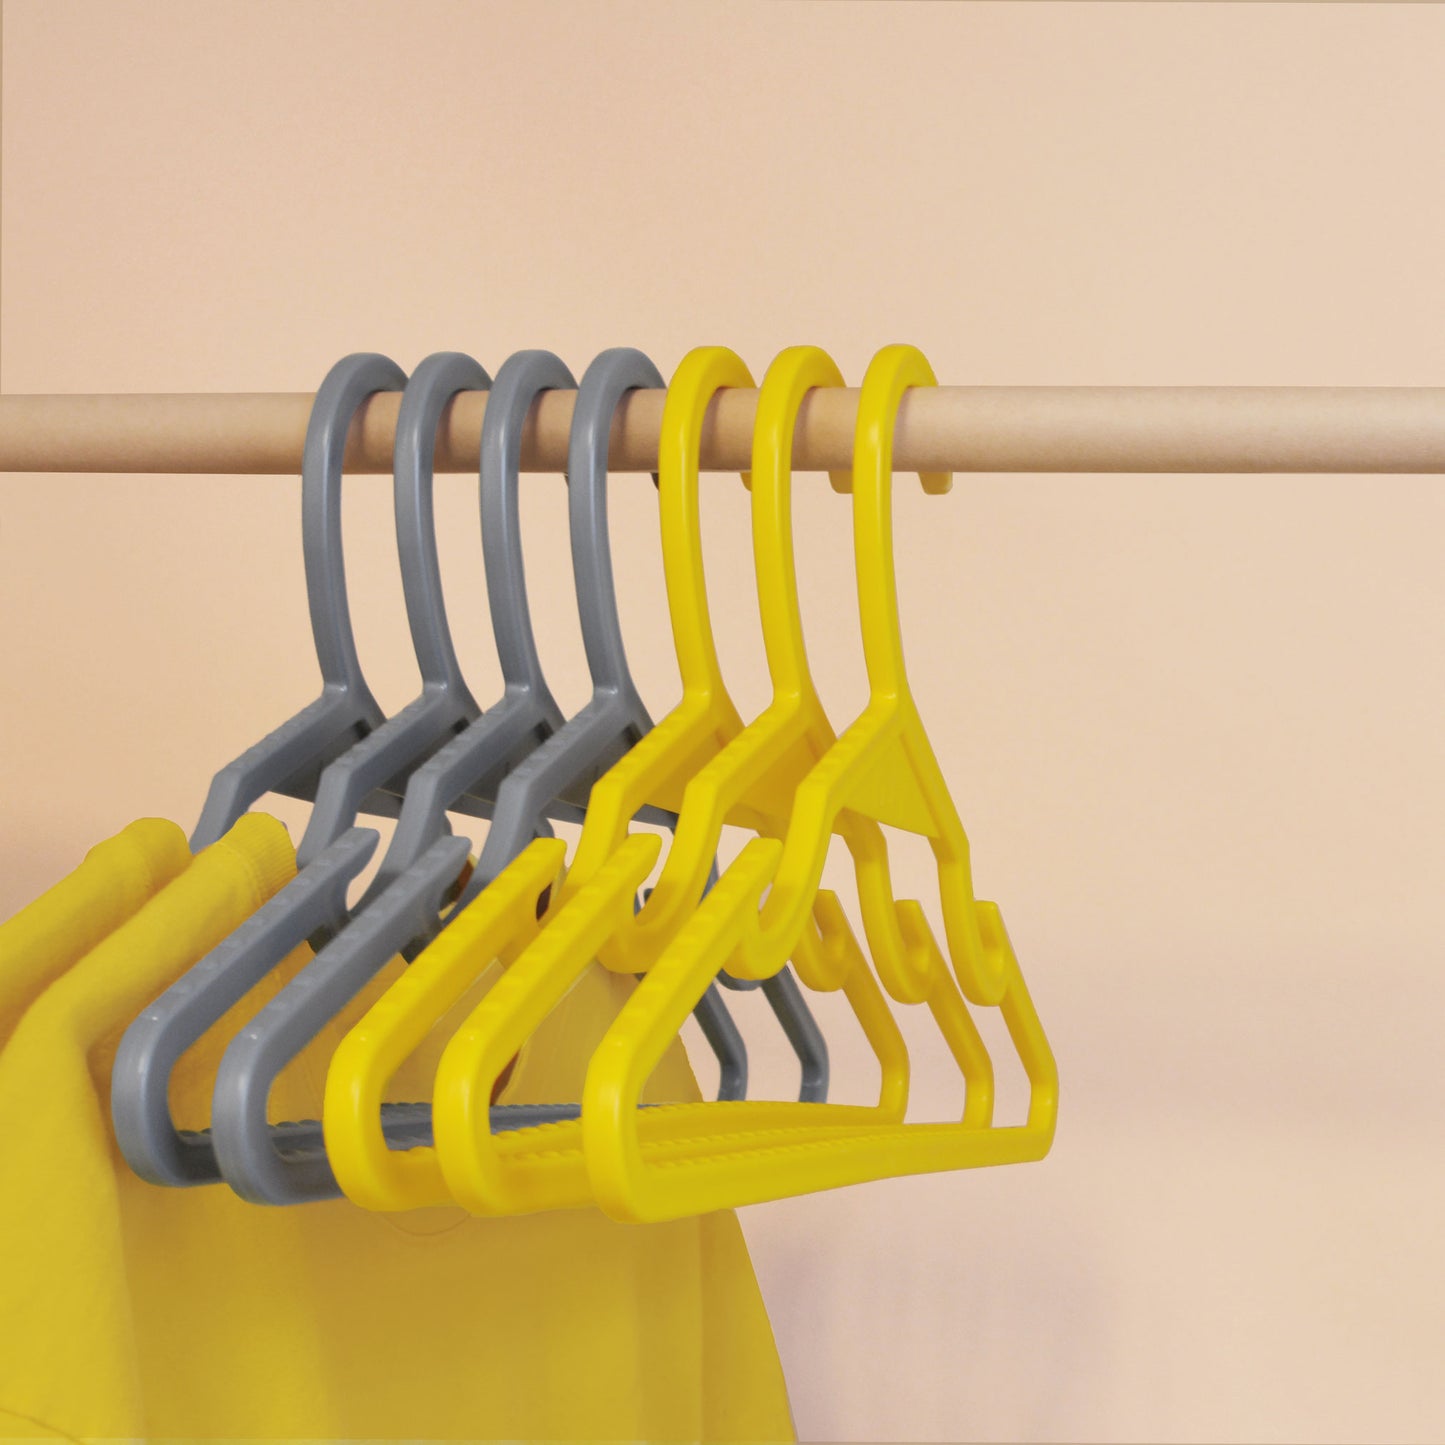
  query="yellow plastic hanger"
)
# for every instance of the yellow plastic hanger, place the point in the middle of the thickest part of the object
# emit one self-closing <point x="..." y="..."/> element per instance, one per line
<point x="504" y="919"/>
<point x="884" y="768"/>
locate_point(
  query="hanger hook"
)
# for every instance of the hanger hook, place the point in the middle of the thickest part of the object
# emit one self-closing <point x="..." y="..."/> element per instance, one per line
<point x="433" y="386"/>
<point x="793" y="374"/>
<point x="702" y="372"/>
<point x="891" y="372"/>
<point x="604" y="384"/>
<point x="520" y="379"/>
<point x="338" y="399"/>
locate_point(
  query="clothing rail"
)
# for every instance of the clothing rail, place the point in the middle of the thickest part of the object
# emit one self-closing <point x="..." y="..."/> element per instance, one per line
<point x="955" y="428"/>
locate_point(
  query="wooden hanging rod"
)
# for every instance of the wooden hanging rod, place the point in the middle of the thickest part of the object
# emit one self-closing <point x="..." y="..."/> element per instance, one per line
<point x="958" y="428"/>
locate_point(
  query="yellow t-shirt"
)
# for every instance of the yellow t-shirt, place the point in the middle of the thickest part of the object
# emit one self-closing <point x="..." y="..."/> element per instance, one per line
<point x="128" y="1310"/>
<point x="60" y="927"/>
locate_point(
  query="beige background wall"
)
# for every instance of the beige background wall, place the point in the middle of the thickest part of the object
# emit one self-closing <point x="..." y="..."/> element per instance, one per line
<point x="1193" y="724"/>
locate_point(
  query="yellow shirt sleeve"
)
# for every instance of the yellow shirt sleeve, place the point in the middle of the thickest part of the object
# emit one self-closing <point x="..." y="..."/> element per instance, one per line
<point x="60" y="927"/>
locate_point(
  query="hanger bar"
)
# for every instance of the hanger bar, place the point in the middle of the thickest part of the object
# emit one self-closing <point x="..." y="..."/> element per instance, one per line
<point x="954" y="428"/>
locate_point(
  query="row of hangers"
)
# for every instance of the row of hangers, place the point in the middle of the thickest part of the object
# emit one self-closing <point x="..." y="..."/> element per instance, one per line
<point x="453" y="909"/>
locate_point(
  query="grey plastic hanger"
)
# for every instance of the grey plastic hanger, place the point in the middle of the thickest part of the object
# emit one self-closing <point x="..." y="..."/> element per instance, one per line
<point x="291" y="758"/>
<point x="411" y="887"/>
<point x="313" y="903"/>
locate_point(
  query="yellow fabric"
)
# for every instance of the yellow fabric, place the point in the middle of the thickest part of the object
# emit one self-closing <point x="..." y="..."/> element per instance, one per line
<point x="60" y="927"/>
<point x="128" y="1310"/>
